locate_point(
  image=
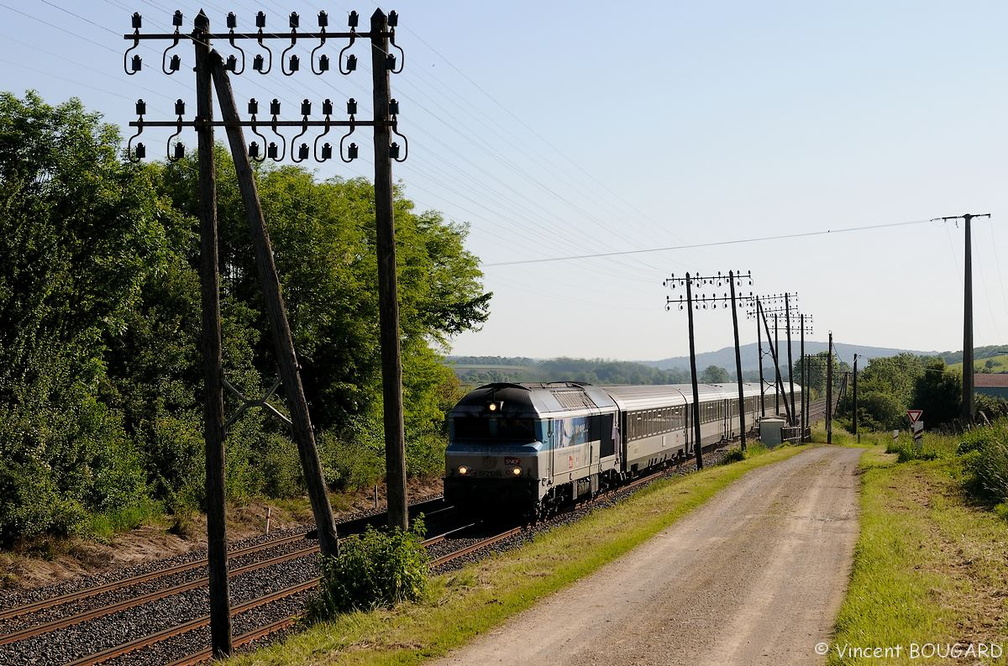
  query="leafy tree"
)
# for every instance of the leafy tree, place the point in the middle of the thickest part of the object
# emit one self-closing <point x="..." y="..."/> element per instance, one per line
<point x="878" y="410"/>
<point x="323" y="236"/>
<point x="939" y="393"/>
<point x="81" y="235"/>
<point x="816" y="369"/>
<point x="886" y="390"/>
<point x="714" y="375"/>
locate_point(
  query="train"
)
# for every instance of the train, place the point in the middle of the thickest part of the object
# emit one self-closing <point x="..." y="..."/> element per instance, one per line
<point x="530" y="448"/>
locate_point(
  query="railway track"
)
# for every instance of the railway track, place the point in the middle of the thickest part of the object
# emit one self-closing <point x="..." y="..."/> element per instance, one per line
<point x="30" y="629"/>
<point x="268" y="594"/>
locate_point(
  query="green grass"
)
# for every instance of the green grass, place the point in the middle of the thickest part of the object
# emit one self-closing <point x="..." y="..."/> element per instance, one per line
<point x="472" y="601"/>
<point x="930" y="566"/>
<point x="102" y="526"/>
<point x="980" y="365"/>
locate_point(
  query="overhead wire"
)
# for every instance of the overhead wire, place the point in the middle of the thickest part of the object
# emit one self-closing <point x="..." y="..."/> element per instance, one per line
<point x="739" y="241"/>
<point x="528" y="127"/>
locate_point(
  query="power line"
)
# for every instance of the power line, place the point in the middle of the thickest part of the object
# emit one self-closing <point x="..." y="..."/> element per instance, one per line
<point x="694" y="246"/>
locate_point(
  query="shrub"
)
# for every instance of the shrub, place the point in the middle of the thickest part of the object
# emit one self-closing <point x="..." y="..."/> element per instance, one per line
<point x="355" y="459"/>
<point x="377" y="569"/>
<point x="734" y="454"/>
<point x="987" y="470"/>
<point x="977" y="438"/>
<point x="906" y="450"/>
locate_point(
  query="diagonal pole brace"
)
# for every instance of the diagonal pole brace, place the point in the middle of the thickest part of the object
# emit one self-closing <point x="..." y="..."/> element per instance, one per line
<point x="249" y="403"/>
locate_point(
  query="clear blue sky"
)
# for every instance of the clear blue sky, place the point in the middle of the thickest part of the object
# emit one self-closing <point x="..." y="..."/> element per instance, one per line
<point x="557" y="130"/>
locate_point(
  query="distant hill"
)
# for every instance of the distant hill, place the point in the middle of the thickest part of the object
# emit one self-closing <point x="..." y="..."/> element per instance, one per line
<point x="486" y="369"/>
<point x="725" y="358"/>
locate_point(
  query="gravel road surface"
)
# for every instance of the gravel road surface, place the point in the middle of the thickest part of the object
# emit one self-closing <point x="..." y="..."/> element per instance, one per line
<point x="755" y="576"/>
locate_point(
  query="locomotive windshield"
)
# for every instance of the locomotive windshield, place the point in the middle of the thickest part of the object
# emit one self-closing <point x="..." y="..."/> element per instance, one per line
<point x="487" y="429"/>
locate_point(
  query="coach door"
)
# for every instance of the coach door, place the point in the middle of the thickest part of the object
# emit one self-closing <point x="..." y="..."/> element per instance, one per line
<point x="688" y="438"/>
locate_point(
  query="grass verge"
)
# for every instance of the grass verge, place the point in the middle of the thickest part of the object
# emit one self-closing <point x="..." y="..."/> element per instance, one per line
<point x="930" y="566"/>
<point x="472" y="601"/>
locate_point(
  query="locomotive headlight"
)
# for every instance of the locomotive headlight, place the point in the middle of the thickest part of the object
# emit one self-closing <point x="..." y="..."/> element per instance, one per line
<point x="463" y="470"/>
<point x="516" y="471"/>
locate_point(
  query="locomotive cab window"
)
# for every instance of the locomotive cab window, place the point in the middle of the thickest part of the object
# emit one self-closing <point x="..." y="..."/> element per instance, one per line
<point x="495" y="428"/>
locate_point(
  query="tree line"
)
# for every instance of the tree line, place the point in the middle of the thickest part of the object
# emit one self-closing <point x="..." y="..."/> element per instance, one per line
<point x="888" y="387"/>
<point x="477" y="370"/>
<point x="100" y="371"/>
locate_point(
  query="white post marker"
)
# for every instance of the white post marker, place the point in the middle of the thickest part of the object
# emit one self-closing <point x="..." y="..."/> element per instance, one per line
<point x="916" y="425"/>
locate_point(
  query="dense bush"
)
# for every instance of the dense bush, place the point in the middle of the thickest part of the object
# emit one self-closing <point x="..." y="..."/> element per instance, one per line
<point x="985" y="458"/>
<point x="80" y="235"/>
<point x="906" y="449"/>
<point x="377" y="569"/>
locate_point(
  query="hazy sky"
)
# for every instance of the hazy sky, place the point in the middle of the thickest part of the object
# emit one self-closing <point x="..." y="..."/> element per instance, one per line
<point x="658" y="134"/>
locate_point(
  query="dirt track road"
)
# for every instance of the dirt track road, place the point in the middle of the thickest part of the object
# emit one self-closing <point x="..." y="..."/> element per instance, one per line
<point x="755" y="576"/>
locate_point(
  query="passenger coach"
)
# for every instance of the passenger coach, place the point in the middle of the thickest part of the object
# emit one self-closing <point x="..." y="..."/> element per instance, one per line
<point x="528" y="448"/>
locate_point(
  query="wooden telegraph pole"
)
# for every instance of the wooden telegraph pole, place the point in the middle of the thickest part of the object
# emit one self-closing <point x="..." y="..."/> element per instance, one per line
<point x="790" y="361"/>
<point x="759" y="356"/>
<point x="967" y="379"/>
<point x="388" y="302"/>
<point x="738" y="364"/>
<point x="779" y="382"/>
<point x="776" y="351"/>
<point x="693" y="375"/>
<point x="276" y="311"/>
<point x="210" y="72"/>
<point x="806" y="327"/>
<point x="854" y="419"/>
<point x="213" y="365"/>
<point x="829" y="390"/>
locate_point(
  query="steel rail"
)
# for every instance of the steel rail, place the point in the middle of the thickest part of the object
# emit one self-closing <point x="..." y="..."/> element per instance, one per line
<point x="485" y="543"/>
<point x="43" y="604"/>
<point x="18" y="611"/>
<point x="156" y="595"/>
<point x="260" y="632"/>
<point x="178" y="630"/>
